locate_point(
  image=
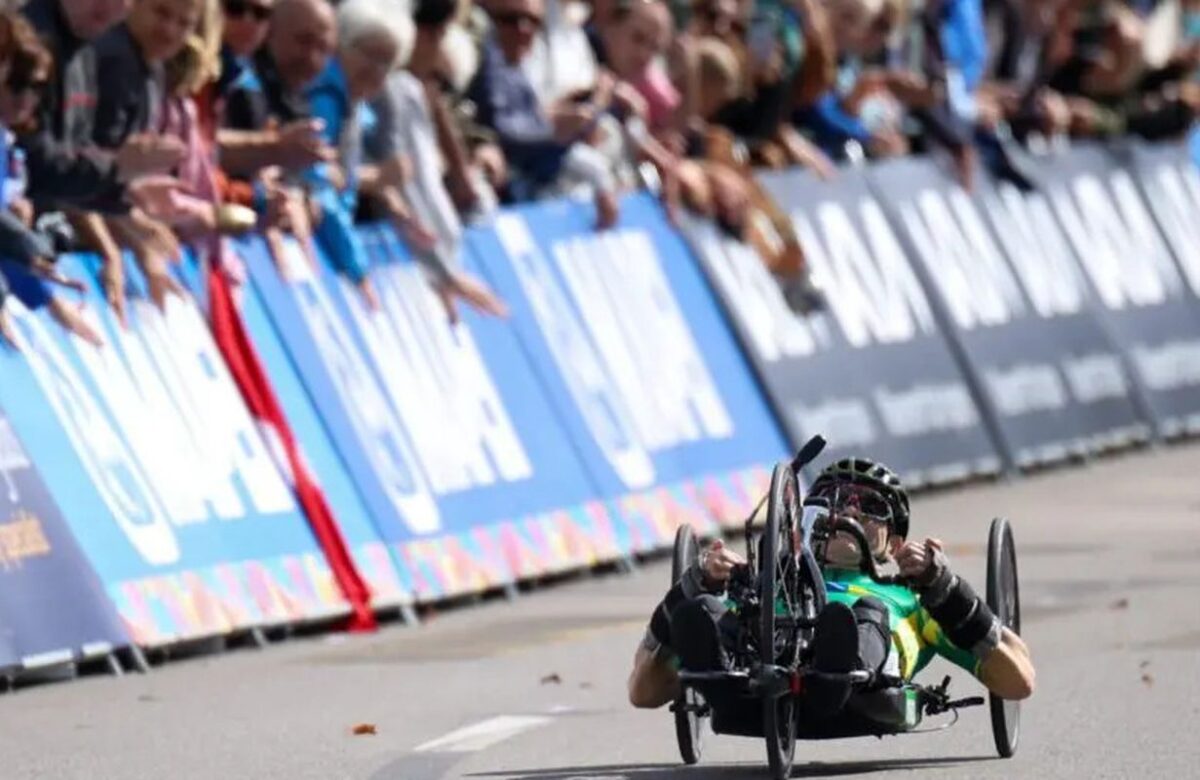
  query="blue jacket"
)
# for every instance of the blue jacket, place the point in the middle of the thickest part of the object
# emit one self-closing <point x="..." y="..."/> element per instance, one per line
<point x="329" y="100"/>
<point x="505" y="101"/>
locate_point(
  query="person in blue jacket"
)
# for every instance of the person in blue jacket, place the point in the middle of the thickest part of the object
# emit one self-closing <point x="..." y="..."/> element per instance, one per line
<point x="371" y="43"/>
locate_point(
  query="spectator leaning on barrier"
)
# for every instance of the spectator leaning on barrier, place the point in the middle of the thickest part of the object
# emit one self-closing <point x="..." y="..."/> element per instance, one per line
<point x="27" y="268"/>
<point x="373" y="38"/>
<point x="66" y="169"/>
<point x="401" y="144"/>
<point x="133" y="99"/>
<point x="540" y="150"/>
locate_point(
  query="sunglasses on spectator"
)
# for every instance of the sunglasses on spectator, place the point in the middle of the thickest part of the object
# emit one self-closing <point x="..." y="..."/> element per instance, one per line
<point x="515" y="18"/>
<point x="243" y="8"/>
<point x="25" y="82"/>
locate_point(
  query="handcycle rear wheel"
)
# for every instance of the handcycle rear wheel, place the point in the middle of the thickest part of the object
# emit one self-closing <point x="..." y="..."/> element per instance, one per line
<point x="1004" y="599"/>
<point x="779" y="572"/>
<point x="689" y="706"/>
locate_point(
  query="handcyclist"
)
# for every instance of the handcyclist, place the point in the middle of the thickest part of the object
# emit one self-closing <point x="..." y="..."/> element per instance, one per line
<point x="889" y="630"/>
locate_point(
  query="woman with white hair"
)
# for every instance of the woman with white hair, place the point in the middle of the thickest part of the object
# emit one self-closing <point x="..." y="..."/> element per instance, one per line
<point x="402" y="140"/>
<point x="374" y="37"/>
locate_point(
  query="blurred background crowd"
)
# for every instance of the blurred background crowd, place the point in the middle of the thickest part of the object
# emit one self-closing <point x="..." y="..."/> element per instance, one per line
<point x="149" y="126"/>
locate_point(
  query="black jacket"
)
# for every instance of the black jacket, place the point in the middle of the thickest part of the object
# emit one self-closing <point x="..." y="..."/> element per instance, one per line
<point x="65" y="167"/>
<point x="259" y="96"/>
<point x="130" y="96"/>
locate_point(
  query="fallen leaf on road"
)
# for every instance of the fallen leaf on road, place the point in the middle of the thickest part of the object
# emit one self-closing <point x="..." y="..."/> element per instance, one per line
<point x="1143" y="664"/>
<point x="1148" y="680"/>
<point x="552" y="679"/>
<point x="587" y="686"/>
<point x="364" y="729"/>
<point x="1119" y="604"/>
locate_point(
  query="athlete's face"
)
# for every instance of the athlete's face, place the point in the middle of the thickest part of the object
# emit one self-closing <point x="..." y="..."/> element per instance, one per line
<point x="871" y="511"/>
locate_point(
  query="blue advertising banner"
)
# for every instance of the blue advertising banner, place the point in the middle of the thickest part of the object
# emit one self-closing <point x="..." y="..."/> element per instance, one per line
<point x="462" y="464"/>
<point x="1142" y="297"/>
<point x="52" y="606"/>
<point x="1170" y="181"/>
<point x="371" y="556"/>
<point x="630" y="346"/>
<point x="1054" y="387"/>
<point x="162" y="475"/>
<point x="873" y="373"/>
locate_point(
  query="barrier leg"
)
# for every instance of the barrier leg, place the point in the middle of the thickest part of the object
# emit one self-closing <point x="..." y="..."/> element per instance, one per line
<point x="259" y="637"/>
<point x="511" y="593"/>
<point x="409" y="616"/>
<point x="114" y="665"/>
<point x="627" y="565"/>
<point x="138" y="660"/>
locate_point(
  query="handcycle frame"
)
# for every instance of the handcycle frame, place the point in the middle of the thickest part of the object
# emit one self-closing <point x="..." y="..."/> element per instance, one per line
<point x="772" y="680"/>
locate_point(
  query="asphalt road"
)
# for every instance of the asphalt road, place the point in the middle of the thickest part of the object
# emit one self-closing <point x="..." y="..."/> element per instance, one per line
<point x="1110" y="575"/>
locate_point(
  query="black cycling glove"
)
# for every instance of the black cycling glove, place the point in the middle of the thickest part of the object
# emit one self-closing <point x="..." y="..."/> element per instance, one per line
<point x="658" y="634"/>
<point x="967" y="620"/>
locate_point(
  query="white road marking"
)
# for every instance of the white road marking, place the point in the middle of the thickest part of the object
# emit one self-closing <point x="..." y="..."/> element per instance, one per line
<point x="482" y="735"/>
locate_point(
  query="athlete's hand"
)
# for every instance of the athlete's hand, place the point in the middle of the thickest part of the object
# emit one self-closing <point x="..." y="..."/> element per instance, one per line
<point x="717" y="563"/>
<point x="923" y="563"/>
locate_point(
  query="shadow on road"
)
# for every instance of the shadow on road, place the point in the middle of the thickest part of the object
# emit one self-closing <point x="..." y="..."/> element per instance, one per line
<point x="728" y="771"/>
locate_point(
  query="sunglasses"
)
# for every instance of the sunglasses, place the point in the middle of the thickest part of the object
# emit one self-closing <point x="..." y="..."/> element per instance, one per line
<point x="866" y="503"/>
<point x="515" y="18"/>
<point x="27" y="83"/>
<point x="242" y="8"/>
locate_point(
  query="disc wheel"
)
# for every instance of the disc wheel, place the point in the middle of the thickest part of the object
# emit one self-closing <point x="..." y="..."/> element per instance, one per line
<point x="779" y="593"/>
<point x="1004" y="599"/>
<point x="690" y="709"/>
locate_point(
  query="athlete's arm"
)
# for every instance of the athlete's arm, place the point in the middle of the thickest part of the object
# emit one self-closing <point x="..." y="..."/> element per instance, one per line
<point x="1008" y="670"/>
<point x="653" y="681"/>
<point x="1005" y="666"/>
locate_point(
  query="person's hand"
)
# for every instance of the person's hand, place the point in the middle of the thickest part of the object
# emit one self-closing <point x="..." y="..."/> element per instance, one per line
<point x="71" y="319"/>
<point x="1054" y="111"/>
<point x="366" y="288"/>
<point x="299" y="144"/>
<point x="571" y="122"/>
<point x="922" y="563"/>
<point x="159" y="280"/>
<point x="158" y="196"/>
<point x="717" y="562"/>
<point x="965" y="158"/>
<point x="23" y="209"/>
<point x="7" y="337"/>
<point x="608" y="211"/>
<point x="46" y="269"/>
<point x="147" y="154"/>
<point x="887" y="143"/>
<point x="418" y="235"/>
<point x="627" y="100"/>
<point x="464" y="287"/>
<point x="112" y="282"/>
<point x="491" y="161"/>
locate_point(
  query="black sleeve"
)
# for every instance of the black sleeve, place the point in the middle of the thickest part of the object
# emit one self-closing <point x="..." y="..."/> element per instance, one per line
<point x="20" y="244"/>
<point x="59" y="173"/>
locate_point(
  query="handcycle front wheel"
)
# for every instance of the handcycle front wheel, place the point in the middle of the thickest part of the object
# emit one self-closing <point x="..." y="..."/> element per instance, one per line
<point x="778" y="571"/>
<point x="1004" y="599"/>
<point x="690" y="707"/>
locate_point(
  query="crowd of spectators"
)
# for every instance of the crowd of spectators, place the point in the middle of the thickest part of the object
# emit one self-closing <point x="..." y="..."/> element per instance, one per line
<point x="148" y="126"/>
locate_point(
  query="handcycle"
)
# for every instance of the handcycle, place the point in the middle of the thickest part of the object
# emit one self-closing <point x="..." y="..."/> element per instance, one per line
<point x="762" y="695"/>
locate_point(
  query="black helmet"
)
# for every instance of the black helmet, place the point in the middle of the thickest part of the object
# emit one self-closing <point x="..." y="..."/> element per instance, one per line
<point x="868" y="473"/>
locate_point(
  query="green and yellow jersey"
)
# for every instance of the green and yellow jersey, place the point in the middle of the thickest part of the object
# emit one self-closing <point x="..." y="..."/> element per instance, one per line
<point x="916" y="636"/>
